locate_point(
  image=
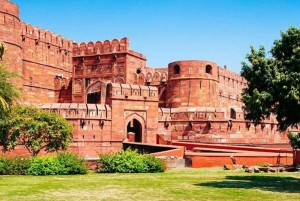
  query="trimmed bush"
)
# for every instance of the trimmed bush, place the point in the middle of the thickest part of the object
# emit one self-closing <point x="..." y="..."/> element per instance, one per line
<point x="129" y="161"/>
<point x="62" y="164"/>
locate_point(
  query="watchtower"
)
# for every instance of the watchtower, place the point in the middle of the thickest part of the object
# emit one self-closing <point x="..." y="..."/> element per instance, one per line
<point x="192" y="83"/>
<point x="10" y="33"/>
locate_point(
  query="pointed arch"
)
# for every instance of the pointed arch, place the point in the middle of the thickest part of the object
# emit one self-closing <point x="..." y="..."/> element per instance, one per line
<point x="93" y="92"/>
<point x="77" y="87"/>
<point x="120" y="80"/>
<point x="138" y="126"/>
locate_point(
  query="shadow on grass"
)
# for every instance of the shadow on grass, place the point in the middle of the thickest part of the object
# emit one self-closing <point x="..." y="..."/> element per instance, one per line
<point x="267" y="183"/>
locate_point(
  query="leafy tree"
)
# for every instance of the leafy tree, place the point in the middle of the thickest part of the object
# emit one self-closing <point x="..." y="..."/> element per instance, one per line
<point x="35" y="129"/>
<point x="273" y="83"/>
<point x="8" y="91"/>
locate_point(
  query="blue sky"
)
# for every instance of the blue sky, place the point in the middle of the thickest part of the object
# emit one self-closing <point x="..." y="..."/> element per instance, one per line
<point x="169" y="30"/>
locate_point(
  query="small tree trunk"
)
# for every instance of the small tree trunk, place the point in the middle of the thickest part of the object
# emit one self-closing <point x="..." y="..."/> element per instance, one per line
<point x="294" y="157"/>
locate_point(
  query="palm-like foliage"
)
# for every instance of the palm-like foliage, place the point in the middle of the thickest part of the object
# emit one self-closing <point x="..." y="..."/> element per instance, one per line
<point x="8" y="91"/>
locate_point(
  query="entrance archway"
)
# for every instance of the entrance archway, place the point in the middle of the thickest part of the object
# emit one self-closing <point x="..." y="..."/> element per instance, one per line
<point x="135" y="127"/>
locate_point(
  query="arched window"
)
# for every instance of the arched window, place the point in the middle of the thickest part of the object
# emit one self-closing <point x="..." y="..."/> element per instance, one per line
<point x="208" y="69"/>
<point x="108" y="89"/>
<point x="176" y="69"/>
<point x="232" y="113"/>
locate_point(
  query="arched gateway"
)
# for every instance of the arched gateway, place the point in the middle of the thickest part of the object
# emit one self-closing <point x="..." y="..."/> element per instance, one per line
<point x="134" y="126"/>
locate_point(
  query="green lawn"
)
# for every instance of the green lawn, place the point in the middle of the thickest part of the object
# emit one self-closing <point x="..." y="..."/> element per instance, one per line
<point x="188" y="184"/>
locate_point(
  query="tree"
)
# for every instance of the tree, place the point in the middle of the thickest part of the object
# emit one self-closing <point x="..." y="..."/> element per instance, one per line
<point x="273" y="83"/>
<point x="8" y="91"/>
<point x="36" y="129"/>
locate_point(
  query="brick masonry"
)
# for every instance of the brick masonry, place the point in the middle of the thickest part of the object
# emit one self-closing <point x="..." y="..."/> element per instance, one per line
<point x="105" y="90"/>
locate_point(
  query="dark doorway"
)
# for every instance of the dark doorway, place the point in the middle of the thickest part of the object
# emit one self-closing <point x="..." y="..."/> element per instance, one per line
<point x="135" y="127"/>
<point x="93" y="97"/>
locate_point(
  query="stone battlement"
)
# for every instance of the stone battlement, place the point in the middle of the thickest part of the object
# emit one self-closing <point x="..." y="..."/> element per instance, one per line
<point x="130" y="91"/>
<point x="78" y="110"/>
<point x="40" y="35"/>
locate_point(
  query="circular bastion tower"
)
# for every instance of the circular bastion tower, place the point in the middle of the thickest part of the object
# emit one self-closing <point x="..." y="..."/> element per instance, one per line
<point x="192" y="83"/>
<point x="10" y="34"/>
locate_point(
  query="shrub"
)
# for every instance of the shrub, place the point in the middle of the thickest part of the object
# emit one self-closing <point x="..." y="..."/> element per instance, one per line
<point x="155" y="164"/>
<point x="44" y="165"/>
<point x="129" y="161"/>
<point x="71" y="164"/>
<point x="13" y="166"/>
<point x="64" y="163"/>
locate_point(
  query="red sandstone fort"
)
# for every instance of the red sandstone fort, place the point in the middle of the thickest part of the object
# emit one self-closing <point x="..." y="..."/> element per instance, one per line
<point x="107" y="92"/>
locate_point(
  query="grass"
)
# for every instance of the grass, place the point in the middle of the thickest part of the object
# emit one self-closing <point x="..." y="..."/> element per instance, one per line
<point x="191" y="184"/>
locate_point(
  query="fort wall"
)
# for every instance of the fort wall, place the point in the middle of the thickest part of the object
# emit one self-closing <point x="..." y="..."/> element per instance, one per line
<point x="47" y="65"/>
<point x="38" y="56"/>
<point x="214" y="125"/>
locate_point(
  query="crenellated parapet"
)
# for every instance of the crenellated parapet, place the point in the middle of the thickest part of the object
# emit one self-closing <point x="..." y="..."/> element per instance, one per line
<point x="40" y="35"/>
<point x="47" y="64"/>
<point x="231" y="78"/>
<point x="99" y="47"/>
<point x="153" y="77"/>
<point x="78" y="110"/>
<point x="50" y="47"/>
<point x="132" y="92"/>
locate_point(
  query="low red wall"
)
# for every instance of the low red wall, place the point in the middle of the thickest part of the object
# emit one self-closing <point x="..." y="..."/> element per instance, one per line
<point x="157" y="149"/>
<point x="191" y="146"/>
<point x="179" y="152"/>
<point x="248" y="159"/>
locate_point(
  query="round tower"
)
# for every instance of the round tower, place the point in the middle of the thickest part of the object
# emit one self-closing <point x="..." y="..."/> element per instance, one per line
<point x="10" y="33"/>
<point x="192" y="83"/>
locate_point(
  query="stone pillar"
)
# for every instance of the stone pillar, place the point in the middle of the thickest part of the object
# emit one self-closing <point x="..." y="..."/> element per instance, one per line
<point x="131" y="137"/>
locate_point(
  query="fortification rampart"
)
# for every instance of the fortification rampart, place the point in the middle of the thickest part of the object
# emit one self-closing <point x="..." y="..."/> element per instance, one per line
<point x="92" y="126"/>
<point x="215" y="125"/>
<point x="42" y="58"/>
<point x="230" y="86"/>
<point x="47" y="65"/>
